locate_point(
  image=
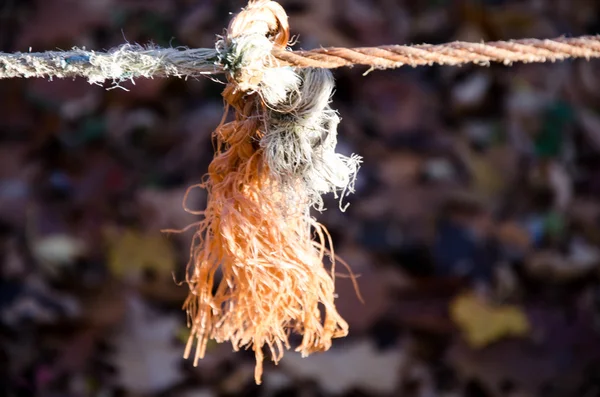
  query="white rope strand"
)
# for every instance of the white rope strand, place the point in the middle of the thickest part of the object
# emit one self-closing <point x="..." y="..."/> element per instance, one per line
<point x="122" y="63"/>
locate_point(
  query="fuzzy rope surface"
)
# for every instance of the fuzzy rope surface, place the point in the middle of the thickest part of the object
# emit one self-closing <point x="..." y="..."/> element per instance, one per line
<point x="257" y="269"/>
<point x="119" y="64"/>
<point x="133" y="61"/>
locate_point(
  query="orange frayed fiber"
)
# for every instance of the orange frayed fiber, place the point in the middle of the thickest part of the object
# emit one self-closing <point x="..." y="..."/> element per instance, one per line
<point x="256" y="272"/>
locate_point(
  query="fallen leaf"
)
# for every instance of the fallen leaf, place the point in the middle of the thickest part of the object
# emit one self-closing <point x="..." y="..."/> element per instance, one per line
<point x="552" y="265"/>
<point x="361" y="316"/>
<point x="472" y="91"/>
<point x="236" y="381"/>
<point x="590" y="125"/>
<point x="105" y="307"/>
<point x="483" y="323"/>
<point x="514" y="235"/>
<point x="146" y="358"/>
<point x="58" y="249"/>
<point x="131" y="252"/>
<point x="165" y="210"/>
<point x="356" y="366"/>
<point x="400" y="169"/>
<point x="204" y="392"/>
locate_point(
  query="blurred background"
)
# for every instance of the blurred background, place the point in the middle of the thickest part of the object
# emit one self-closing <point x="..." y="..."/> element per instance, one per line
<point x="475" y="228"/>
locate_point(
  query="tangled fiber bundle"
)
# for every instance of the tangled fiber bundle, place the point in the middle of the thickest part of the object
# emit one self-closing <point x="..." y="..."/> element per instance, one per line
<point x="272" y="164"/>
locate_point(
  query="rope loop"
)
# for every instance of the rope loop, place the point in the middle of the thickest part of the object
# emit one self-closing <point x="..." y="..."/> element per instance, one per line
<point x="252" y="35"/>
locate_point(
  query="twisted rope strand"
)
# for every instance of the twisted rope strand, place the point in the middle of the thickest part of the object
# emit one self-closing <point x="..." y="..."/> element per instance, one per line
<point x="121" y="63"/>
<point x="454" y="54"/>
<point x="133" y="61"/>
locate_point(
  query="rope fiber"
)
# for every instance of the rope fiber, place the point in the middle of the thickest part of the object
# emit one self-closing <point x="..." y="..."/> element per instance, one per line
<point x="455" y="53"/>
<point x="274" y="159"/>
<point x="133" y="61"/>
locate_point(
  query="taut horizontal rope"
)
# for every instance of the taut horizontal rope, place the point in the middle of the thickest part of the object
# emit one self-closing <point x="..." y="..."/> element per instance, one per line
<point x="455" y="53"/>
<point x="132" y="61"/>
<point x="121" y="63"/>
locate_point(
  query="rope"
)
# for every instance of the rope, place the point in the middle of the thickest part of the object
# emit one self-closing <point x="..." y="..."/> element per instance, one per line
<point x="454" y="54"/>
<point x="119" y="64"/>
<point x="272" y="163"/>
<point x="274" y="159"/>
<point x="133" y="61"/>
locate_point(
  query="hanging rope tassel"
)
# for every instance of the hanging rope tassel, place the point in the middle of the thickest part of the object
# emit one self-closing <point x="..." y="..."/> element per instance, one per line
<point x="271" y="165"/>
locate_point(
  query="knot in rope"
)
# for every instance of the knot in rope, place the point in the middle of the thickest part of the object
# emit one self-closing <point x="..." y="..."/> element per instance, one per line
<point x="274" y="159"/>
<point x="253" y="34"/>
